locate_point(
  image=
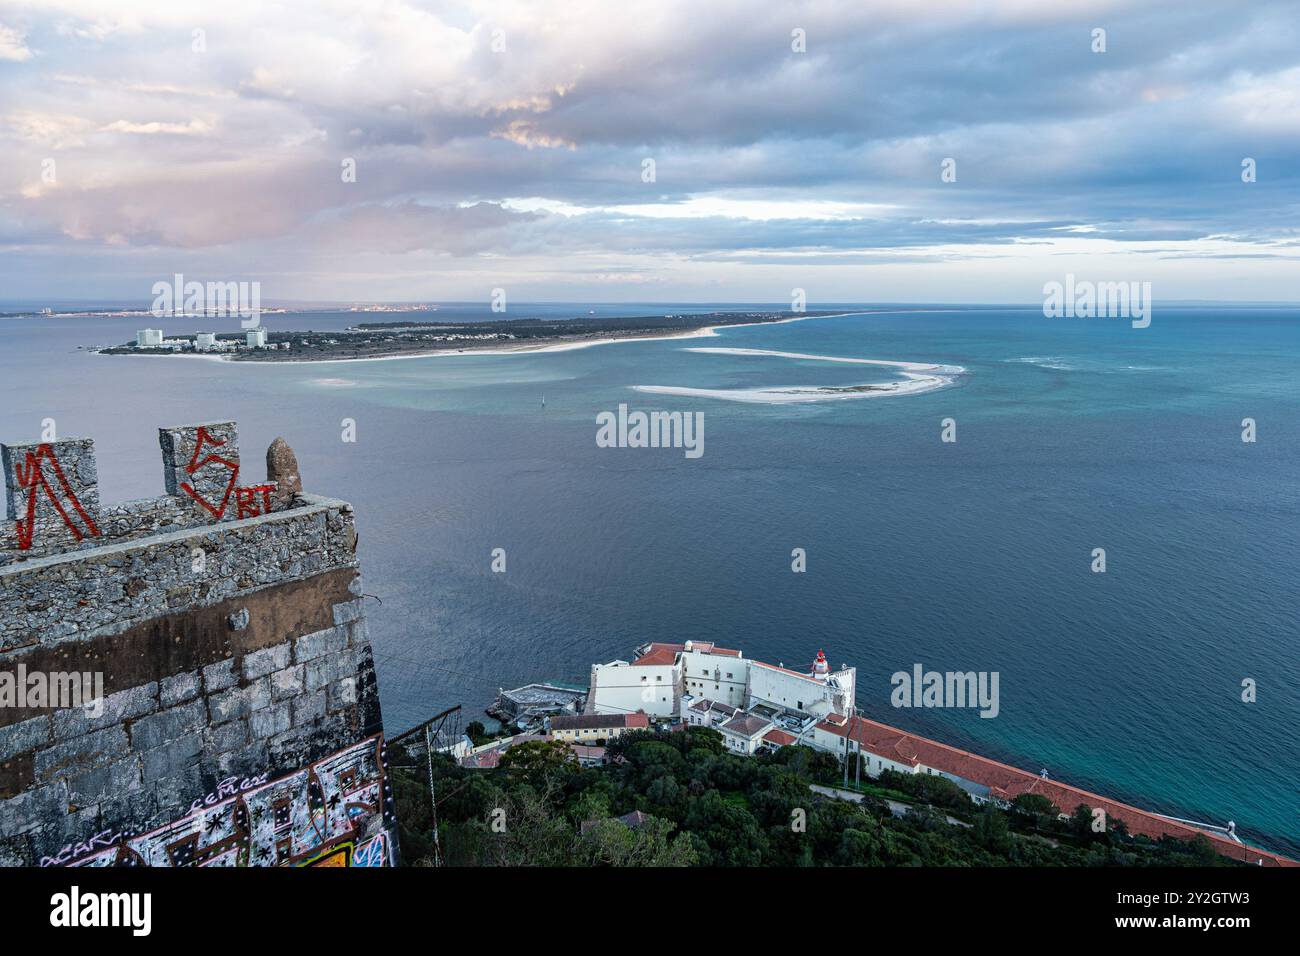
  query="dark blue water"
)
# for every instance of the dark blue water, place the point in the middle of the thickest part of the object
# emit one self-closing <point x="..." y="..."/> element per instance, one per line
<point x="1072" y="435"/>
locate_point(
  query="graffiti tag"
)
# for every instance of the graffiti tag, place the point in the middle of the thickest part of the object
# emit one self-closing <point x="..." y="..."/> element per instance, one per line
<point x="31" y="478"/>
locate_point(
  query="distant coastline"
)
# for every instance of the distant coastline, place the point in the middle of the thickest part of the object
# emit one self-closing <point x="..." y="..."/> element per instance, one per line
<point x="378" y="341"/>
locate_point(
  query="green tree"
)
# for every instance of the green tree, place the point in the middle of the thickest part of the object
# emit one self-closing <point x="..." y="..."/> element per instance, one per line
<point x="992" y="831"/>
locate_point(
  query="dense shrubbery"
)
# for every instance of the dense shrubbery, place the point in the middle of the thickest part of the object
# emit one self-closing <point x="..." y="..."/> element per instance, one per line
<point x="711" y="808"/>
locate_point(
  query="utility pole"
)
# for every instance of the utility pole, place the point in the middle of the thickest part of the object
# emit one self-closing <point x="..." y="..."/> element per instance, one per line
<point x="857" y="763"/>
<point x="848" y="730"/>
<point x="848" y="739"/>
<point x="433" y="798"/>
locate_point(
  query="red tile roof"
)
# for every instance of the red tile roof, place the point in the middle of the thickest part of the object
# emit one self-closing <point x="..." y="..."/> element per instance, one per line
<point x="746" y="725"/>
<point x="1007" y="783"/>
<point x="487" y="760"/>
<point x="779" y="737"/>
<point x="660" y="653"/>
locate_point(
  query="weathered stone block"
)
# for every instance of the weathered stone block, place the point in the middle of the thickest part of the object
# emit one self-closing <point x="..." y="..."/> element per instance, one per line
<point x="329" y="641"/>
<point x="176" y="793"/>
<point x="268" y="659"/>
<point x="173" y="758"/>
<point x="178" y="688"/>
<point x="317" y="674"/>
<point x="286" y="683"/>
<point x="89" y="750"/>
<point x="229" y="705"/>
<point x="220" y="675"/>
<point x="167" y="725"/>
<point x="227" y="736"/>
<point x="245" y="762"/>
<point x="32" y="809"/>
<point x="124" y="705"/>
<point x="348" y="611"/>
<point x="111" y="780"/>
<point x="308" y="707"/>
<point x="270" y="721"/>
<point x="259" y="693"/>
<point x="24" y="735"/>
<point x="342" y="693"/>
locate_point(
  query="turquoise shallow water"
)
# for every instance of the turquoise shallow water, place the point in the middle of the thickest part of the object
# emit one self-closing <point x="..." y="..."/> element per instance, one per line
<point x="1072" y="435"/>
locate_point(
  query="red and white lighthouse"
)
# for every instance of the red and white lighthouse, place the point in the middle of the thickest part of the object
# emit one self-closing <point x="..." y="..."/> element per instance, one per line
<point x="820" y="669"/>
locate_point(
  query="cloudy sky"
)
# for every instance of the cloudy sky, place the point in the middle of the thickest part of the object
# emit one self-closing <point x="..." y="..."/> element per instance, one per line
<point x="504" y="144"/>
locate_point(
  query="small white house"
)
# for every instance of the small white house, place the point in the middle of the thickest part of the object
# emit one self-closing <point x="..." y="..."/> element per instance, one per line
<point x="743" y="733"/>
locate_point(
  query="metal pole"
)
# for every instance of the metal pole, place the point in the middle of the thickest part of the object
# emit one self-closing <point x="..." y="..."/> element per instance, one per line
<point x="433" y="801"/>
<point x="848" y="730"/>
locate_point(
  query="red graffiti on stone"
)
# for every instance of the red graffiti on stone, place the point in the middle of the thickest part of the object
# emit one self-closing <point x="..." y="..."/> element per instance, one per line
<point x="247" y="504"/>
<point x="31" y="478"/>
<point x="201" y="441"/>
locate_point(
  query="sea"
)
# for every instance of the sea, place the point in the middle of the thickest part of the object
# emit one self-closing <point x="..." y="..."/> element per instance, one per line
<point x="979" y="554"/>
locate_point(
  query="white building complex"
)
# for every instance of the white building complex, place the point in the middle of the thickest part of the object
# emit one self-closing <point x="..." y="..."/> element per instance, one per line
<point x="751" y="703"/>
<point x="761" y="707"/>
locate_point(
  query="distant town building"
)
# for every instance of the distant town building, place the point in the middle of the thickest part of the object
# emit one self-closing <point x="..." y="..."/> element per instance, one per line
<point x="205" y="341"/>
<point x="149" y="338"/>
<point x="257" y="338"/>
<point x="586" y="728"/>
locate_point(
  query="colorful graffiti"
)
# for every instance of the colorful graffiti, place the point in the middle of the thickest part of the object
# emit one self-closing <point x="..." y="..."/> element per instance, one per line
<point x="336" y="812"/>
<point x="31" y="479"/>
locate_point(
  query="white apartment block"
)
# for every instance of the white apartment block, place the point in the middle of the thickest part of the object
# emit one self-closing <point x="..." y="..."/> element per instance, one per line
<point x="620" y="687"/>
<point x="706" y="685"/>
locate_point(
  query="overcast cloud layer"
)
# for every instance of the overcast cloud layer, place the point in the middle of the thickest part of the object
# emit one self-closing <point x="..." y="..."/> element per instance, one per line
<point x="135" y="148"/>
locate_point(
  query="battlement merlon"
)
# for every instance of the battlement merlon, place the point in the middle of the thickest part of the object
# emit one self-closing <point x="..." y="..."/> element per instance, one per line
<point x="52" y="491"/>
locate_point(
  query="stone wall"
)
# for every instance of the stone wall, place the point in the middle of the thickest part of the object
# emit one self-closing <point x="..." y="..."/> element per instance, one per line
<point x="226" y="631"/>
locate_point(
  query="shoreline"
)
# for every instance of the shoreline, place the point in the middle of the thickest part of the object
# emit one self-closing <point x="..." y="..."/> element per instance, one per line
<point x="707" y="331"/>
